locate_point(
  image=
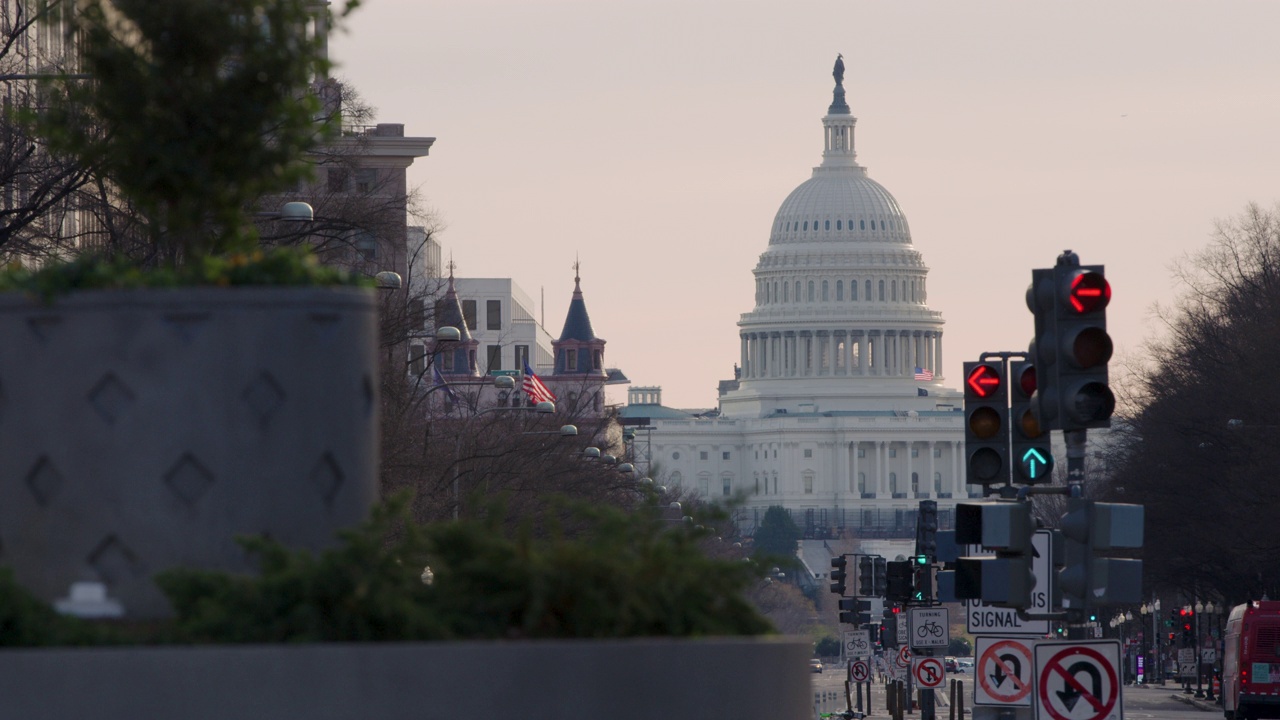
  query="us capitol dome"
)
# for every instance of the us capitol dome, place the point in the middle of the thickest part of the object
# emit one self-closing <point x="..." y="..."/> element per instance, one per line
<point x="837" y="411"/>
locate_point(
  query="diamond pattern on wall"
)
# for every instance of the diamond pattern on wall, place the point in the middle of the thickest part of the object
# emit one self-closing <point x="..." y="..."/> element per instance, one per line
<point x="114" y="561"/>
<point x="188" y="479"/>
<point x="264" y="396"/>
<point x="186" y="325"/>
<point x="45" y="481"/>
<point x="110" y="398"/>
<point x="43" y="326"/>
<point x="327" y="477"/>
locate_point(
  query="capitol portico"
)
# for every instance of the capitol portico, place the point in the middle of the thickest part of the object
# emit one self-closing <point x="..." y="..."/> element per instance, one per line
<point x="837" y="411"/>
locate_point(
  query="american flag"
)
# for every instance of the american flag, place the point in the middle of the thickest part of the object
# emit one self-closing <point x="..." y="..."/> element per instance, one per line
<point x="533" y="387"/>
<point x="438" y="379"/>
<point x="922" y="374"/>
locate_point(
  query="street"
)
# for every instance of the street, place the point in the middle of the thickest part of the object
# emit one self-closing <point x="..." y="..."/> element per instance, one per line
<point x="1152" y="702"/>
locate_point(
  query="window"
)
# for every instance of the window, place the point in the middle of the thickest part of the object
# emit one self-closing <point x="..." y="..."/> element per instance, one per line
<point x="915" y="482"/>
<point x="784" y="292"/>
<point x="597" y="359"/>
<point x="336" y="179"/>
<point x="806" y="224"/>
<point x="366" y="246"/>
<point x="853" y="289"/>
<point x="728" y="486"/>
<point x="522" y="356"/>
<point x="893" y="452"/>
<point x="702" y="455"/>
<point x="808" y="483"/>
<point x="676" y="478"/>
<point x="495" y="358"/>
<point x="810" y="291"/>
<point x="704" y="485"/>
<point x="937" y="452"/>
<point x="837" y="224"/>
<point x="881" y="291"/>
<point x="893" y="482"/>
<point x="839" y="288"/>
<point x="824" y="291"/>
<point x="893" y="288"/>
<point x="757" y="484"/>
<point x="867" y="287"/>
<point x="469" y="313"/>
<point x="826" y="224"/>
<point x="915" y="452"/>
<point x="775" y="454"/>
<point x="862" y="482"/>
<point x="366" y="180"/>
<point x="757" y="454"/>
<point x="570" y="360"/>
<point x="862" y="224"/>
<point x="797" y="293"/>
<point x="808" y="453"/>
<point x="862" y="452"/>
<point x="493" y="314"/>
<point x="724" y="455"/>
<point x="937" y="482"/>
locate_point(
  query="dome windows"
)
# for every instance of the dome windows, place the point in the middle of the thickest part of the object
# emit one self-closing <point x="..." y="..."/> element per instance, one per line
<point x="826" y="224"/>
<point x="837" y="225"/>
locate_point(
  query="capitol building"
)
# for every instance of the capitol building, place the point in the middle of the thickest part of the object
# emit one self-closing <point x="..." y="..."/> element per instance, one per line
<point x="838" y="410"/>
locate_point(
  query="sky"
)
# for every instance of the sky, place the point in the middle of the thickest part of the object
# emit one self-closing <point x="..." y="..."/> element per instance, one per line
<point x="654" y="140"/>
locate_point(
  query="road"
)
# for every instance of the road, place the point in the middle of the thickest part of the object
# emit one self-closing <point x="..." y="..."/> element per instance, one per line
<point x="1152" y="702"/>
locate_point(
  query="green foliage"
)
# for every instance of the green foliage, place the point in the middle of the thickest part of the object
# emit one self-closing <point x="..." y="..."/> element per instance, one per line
<point x="281" y="266"/>
<point x="27" y="622"/>
<point x="959" y="647"/>
<point x="828" y="646"/>
<point x="776" y="537"/>
<point x="619" y="575"/>
<point x="196" y="109"/>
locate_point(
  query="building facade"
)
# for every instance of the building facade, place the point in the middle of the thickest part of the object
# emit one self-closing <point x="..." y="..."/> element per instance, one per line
<point x="837" y="410"/>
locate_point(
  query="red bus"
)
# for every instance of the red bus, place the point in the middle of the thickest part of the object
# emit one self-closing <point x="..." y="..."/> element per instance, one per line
<point x="1251" y="662"/>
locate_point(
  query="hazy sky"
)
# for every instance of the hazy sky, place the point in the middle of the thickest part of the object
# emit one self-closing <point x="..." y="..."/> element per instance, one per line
<point x="656" y="139"/>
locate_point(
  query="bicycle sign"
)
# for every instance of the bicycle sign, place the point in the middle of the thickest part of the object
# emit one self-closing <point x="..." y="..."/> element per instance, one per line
<point x="857" y="643"/>
<point x="929" y="627"/>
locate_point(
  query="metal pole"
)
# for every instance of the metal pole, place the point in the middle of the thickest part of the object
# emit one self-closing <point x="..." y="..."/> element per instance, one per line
<point x="1199" y="664"/>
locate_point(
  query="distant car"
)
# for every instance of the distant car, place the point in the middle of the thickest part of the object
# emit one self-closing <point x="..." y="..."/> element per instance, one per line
<point x="815" y="665"/>
<point x="950" y="664"/>
<point x="965" y="664"/>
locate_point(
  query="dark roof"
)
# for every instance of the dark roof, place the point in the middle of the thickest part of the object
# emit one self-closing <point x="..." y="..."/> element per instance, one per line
<point x="577" y="324"/>
<point x="449" y="312"/>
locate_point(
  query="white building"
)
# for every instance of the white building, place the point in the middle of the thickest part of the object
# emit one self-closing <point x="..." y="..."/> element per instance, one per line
<point x="501" y="318"/>
<point x="837" y="411"/>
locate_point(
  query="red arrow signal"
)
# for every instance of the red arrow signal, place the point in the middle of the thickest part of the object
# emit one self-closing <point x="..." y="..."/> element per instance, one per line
<point x="1089" y="291"/>
<point x="984" y="380"/>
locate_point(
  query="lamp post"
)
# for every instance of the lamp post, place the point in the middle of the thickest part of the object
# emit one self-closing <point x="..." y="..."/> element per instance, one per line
<point x="1199" y="608"/>
<point x="1158" y="659"/>
<point x="1211" y="610"/>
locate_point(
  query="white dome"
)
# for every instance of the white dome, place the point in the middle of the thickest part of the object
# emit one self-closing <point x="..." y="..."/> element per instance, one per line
<point x="840" y="205"/>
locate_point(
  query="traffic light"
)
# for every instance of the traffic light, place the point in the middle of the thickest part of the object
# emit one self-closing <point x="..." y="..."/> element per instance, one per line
<point x="922" y="579"/>
<point x="866" y="577"/>
<point x="1031" y="453"/>
<point x="889" y="628"/>
<point x="849" y="611"/>
<point x="927" y="530"/>
<point x="1071" y="347"/>
<point x="899" y="581"/>
<point x="881" y="582"/>
<point x="838" y="566"/>
<point x="1088" y="527"/>
<point x="986" y="409"/>
<point x="1005" y="528"/>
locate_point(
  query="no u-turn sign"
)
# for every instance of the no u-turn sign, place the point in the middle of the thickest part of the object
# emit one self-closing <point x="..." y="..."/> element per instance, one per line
<point x="1078" y="681"/>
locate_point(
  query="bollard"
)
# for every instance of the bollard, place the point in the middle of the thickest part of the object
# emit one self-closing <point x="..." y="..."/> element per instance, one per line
<point x="868" y="697"/>
<point x="960" y="699"/>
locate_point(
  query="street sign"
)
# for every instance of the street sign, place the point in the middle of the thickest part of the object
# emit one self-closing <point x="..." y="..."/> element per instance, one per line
<point x="859" y="671"/>
<point x="928" y="672"/>
<point x="1186" y="656"/>
<point x="981" y="618"/>
<point x="902" y="632"/>
<point x="929" y="627"/>
<point x="903" y="658"/>
<point x="1003" y="673"/>
<point x="1078" y="680"/>
<point x="857" y="643"/>
<point x="1208" y="655"/>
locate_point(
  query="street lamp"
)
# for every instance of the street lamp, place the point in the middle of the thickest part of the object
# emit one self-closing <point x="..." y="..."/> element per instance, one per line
<point x="1211" y="610"/>
<point x="1199" y="608"/>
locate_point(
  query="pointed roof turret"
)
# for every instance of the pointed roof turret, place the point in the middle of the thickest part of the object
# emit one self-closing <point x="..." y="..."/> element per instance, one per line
<point x="577" y="324"/>
<point x="449" y="311"/>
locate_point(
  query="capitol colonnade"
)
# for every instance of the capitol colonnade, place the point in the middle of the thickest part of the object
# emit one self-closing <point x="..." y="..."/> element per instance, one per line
<point x="840" y="353"/>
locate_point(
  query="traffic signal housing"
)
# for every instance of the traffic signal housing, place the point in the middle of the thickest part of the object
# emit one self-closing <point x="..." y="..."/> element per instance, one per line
<point x="986" y="410"/>
<point x="1030" y="451"/>
<point x="839" y="565"/>
<point x="1071" y="348"/>
<point x="881" y="582"/>
<point x="927" y="530"/>
<point x="1005" y="528"/>
<point x="866" y="576"/>
<point x="899" y="581"/>
<point x="1089" y="528"/>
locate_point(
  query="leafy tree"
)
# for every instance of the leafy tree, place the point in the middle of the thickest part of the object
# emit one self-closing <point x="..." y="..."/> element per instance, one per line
<point x="777" y="536"/>
<point x="828" y="646"/>
<point x="1196" y="446"/>
<point x="196" y="110"/>
<point x="959" y="646"/>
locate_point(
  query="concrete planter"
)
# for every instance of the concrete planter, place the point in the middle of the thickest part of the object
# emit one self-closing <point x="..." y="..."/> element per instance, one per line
<point x="650" y="679"/>
<point x="140" y="430"/>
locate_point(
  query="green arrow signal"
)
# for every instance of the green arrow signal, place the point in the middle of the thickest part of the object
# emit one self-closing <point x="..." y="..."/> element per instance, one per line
<point x="1030" y="459"/>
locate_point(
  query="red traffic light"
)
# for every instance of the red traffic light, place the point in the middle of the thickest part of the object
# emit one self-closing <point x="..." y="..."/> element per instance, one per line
<point x="983" y="380"/>
<point x="1026" y="380"/>
<point x="1089" y="291"/>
